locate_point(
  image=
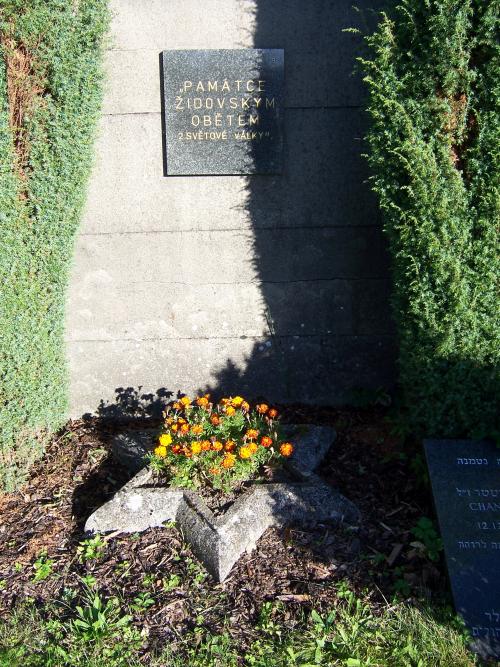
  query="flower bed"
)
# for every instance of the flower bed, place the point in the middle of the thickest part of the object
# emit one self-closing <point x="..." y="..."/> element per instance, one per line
<point x="217" y="448"/>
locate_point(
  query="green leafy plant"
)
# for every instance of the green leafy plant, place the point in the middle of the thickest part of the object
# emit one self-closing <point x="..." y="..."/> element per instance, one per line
<point x="91" y="548"/>
<point x="99" y="619"/>
<point x="171" y="583"/>
<point x="429" y="541"/>
<point x="43" y="567"/>
<point x="217" y="444"/>
<point x="142" y="602"/>
<point x="434" y="101"/>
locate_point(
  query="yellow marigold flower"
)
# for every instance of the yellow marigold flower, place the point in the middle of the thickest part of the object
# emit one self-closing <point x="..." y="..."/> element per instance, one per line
<point x="214" y="420"/>
<point x="205" y="445"/>
<point x="184" y="428"/>
<point x="237" y="401"/>
<point x="273" y="413"/>
<point x="217" y="446"/>
<point x="197" y="429"/>
<point x="181" y="420"/>
<point x="228" y="461"/>
<point x="230" y="410"/>
<point x="252" y="433"/>
<point x="245" y="452"/>
<point x="161" y="451"/>
<point x="196" y="447"/>
<point x="229" y="446"/>
<point x="185" y="401"/>
<point x="202" y="401"/>
<point x="245" y="406"/>
<point x="174" y="427"/>
<point x="169" y="420"/>
<point x="252" y="446"/>
<point x="165" y="439"/>
<point x="262" y="408"/>
<point x="266" y="441"/>
<point x="286" y="449"/>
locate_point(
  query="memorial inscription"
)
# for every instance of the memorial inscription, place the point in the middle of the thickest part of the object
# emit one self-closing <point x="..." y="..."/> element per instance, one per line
<point x="223" y="111"/>
<point x="465" y="479"/>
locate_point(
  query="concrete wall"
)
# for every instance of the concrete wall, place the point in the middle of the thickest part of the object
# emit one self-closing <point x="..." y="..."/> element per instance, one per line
<point x="271" y="285"/>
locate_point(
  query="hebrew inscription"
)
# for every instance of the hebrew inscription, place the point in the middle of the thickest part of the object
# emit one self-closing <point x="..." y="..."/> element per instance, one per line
<point x="223" y="111"/>
<point x="465" y="479"/>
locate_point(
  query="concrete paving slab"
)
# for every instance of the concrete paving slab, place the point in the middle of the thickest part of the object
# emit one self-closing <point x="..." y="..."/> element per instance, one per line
<point x="138" y="310"/>
<point x="323" y="181"/>
<point x="320" y="56"/>
<point x="325" y="368"/>
<point x="174" y="260"/>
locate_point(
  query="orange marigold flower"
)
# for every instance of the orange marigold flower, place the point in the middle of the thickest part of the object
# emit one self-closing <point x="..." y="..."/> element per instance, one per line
<point x="169" y="420"/>
<point x="181" y="420"/>
<point x="245" y="406"/>
<point x="252" y="433"/>
<point x="229" y="446"/>
<point x="286" y="449"/>
<point x="272" y="413"/>
<point x="202" y="401"/>
<point x="225" y="401"/>
<point x="161" y="451"/>
<point x="176" y="449"/>
<point x="185" y="401"/>
<point x="205" y="445"/>
<point x="266" y="441"/>
<point x="230" y="410"/>
<point x="245" y="452"/>
<point x="237" y="401"/>
<point x="196" y="447"/>
<point x="176" y="405"/>
<point x="228" y="461"/>
<point x="214" y="471"/>
<point x="187" y="452"/>
<point x="214" y="420"/>
<point x="197" y="429"/>
<point x="262" y="408"/>
<point x="184" y="428"/>
<point x="252" y="446"/>
<point x="217" y="446"/>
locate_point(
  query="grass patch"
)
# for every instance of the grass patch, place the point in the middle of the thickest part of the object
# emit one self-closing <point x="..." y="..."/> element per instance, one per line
<point x="50" y="94"/>
<point x="93" y="632"/>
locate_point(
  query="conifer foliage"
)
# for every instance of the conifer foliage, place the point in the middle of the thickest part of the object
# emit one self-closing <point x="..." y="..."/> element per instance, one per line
<point x="50" y="92"/>
<point x="434" y="88"/>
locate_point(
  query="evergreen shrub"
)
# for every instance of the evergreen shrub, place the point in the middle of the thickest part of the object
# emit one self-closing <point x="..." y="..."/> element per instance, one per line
<point x="433" y="77"/>
<point x="50" y="93"/>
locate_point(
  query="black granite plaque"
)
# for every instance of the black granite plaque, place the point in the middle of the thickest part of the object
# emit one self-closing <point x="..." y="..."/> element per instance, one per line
<point x="223" y="111"/>
<point x="465" y="479"/>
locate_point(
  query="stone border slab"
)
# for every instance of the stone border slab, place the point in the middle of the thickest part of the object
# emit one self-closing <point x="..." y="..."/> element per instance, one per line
<point x="219" y="541"/>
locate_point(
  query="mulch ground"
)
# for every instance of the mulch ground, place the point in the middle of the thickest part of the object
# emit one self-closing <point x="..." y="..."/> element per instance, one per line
<point x="295" y="567"/>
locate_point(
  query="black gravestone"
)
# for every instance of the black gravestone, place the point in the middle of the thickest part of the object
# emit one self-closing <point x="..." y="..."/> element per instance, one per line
<point x="223" y="111"/>
<point x="465" y="479"/>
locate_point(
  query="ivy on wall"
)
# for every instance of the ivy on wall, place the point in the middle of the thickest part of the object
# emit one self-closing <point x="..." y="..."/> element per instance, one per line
<point x="50" y="95"/>
<point x="434" y="90"/>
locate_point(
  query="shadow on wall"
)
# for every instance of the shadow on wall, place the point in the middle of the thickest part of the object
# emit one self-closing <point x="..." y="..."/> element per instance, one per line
<point x="319" y="254"/>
